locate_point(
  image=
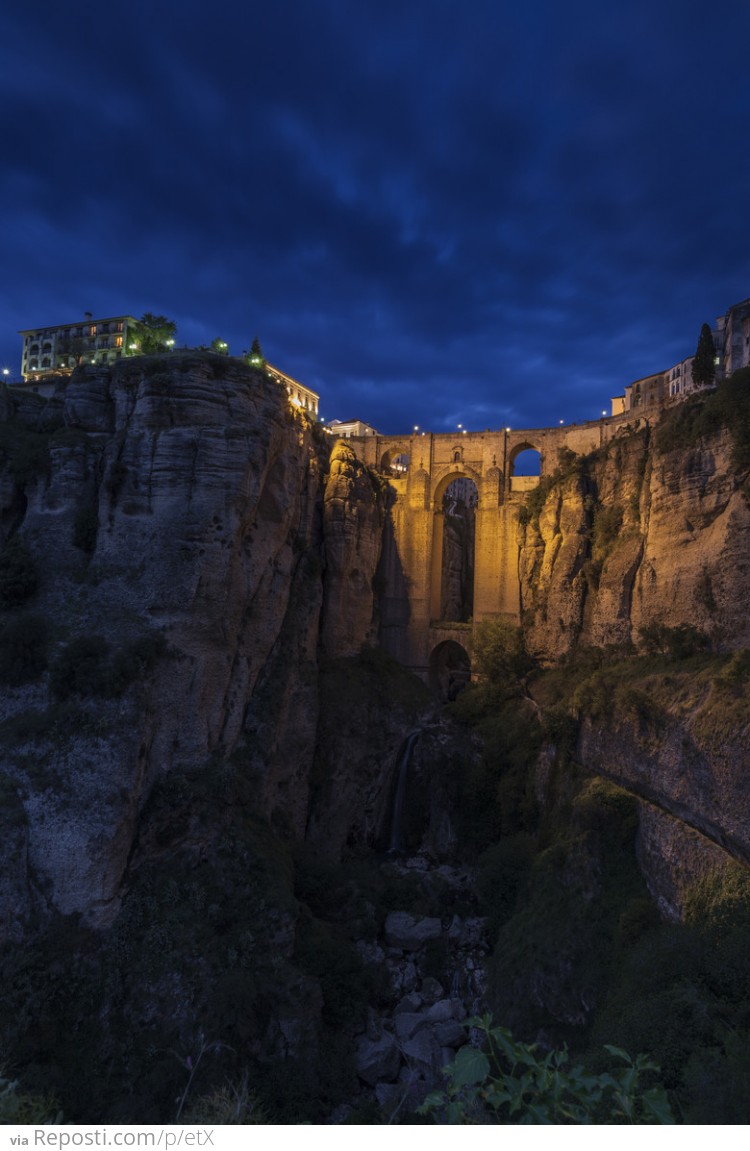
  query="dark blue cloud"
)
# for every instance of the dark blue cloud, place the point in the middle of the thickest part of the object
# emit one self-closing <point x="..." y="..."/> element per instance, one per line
<point x="431" y="212"/>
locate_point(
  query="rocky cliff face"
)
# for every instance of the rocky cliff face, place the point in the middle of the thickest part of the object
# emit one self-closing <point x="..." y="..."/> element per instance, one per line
<point x="177" y="508"/>
<point x="353" y="519"/>
<point x="647" y="533"/>
<point x="679" y="742"/>
<point x="638" y="536"/>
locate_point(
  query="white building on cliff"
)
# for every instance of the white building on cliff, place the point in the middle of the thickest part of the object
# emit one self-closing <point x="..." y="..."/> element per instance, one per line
<point x="731" y="335"/>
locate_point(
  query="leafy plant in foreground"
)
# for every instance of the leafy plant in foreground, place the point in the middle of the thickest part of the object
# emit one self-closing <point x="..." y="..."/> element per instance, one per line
<point x="511" y="1082"/>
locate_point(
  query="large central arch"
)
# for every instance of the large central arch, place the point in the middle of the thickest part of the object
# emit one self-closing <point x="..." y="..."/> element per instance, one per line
<point x="442" y="530"/>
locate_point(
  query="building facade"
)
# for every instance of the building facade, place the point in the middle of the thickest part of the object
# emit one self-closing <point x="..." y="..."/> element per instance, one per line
<point x="345" y="429"/>
<point x="60" y="348"/>
<point x="732" y="338"/>
<point x="299" y="395"/>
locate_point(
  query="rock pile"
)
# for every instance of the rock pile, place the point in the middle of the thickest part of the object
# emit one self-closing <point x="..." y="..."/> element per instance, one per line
<point x="401" y="1054"/>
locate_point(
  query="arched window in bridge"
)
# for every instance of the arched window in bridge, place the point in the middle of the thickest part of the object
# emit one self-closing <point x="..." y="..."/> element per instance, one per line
<point x="526" y="469"/>
<point x="527" y="463"/>
<point x="395" y="464"/>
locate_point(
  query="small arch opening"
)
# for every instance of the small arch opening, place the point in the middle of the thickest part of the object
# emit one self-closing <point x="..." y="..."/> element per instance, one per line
<point x="450" y="669"/>
<point x="395" y="463"/>
<point x="526" y="468"/>
<point x="527" y="463"/>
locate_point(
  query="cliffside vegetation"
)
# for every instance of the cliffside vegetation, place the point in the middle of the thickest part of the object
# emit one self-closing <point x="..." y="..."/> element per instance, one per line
<point x="581" y="953"/>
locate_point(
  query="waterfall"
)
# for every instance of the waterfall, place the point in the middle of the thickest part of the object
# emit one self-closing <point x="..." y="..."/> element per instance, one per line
<point x="399" y="799"/>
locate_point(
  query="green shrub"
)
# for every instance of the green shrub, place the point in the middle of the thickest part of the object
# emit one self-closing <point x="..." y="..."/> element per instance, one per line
<point x="322" y="951"/>
<point x="531" y="509"/>
<point x="500" y="655"/>
<point x="736" y="672"/>
<point x="23" y="649"/>
<point x="18" y="576"/>
<point x="689" y="423"/>
<point x="606" y="528"/>
<point x="229" y="1105"/>
<point x="676" y="643"/>
<point x="504" y="871"/>
<point x="20" y="1107"/>
<point x="511" y="1082"/>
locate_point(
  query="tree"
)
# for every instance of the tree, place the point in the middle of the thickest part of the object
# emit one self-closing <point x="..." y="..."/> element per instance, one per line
<point x="74" y="348"/>
<point x="152" y="334"/>
<point x="500" y="655"/>
<point x="704" y="368"/>
<point x="255" y="359"/>
<point x="220" y="346"/>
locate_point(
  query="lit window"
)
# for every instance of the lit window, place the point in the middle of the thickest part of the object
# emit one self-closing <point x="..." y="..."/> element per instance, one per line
<point x="118" y="341"/>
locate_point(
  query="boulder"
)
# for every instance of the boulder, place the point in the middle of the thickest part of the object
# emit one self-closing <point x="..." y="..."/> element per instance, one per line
<point x="408" y="1023"/>
<point x="378" y="1060"/>
<point x="409" y="933"/>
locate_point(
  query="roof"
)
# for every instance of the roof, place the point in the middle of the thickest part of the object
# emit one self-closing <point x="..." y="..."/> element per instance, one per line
<point x="78" y="323"/>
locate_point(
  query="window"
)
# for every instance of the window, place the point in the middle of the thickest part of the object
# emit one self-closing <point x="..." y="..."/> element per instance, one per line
<point x="92" y="329"/>
<point x="118" y="340"/>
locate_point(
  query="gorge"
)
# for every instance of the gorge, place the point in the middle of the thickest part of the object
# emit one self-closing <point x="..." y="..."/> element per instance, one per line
<point x="209" y="613"/>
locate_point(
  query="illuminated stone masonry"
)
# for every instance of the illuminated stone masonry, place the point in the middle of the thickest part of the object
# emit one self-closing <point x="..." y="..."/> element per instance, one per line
<point x="420" y="469"/>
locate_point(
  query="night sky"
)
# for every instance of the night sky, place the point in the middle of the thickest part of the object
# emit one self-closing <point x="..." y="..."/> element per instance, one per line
<point x="431" y="212"/>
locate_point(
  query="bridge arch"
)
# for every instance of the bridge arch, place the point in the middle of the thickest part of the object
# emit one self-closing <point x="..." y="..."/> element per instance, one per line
<point x="446" y="478"/>
<point x="455" y="497"/>
<point x="449" y="670"/>
<point x="525" y="466"/>
<point x="395" y="461"/>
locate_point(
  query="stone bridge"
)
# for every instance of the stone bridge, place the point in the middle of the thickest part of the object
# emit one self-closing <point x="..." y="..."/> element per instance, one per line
<point x="419" y="469"/>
